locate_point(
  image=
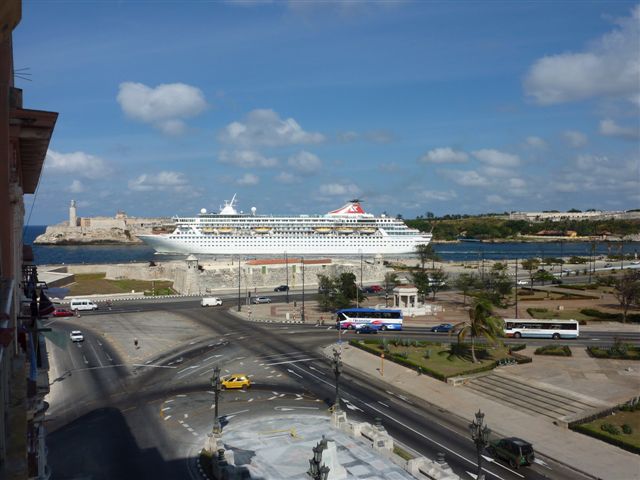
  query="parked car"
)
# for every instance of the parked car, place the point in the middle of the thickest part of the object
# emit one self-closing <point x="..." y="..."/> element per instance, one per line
<point x="443" y="327"/>
<point x="513" y="450"/>
<point x="281" y="288"/>
<point x="62" y="312"/>
<point x="367" y="328"/>
<point x="261" y="300"/>
<point x="235" y="380"/>
<point x="607" y="265"/>
<point x="523" y="282"/>
<point x="76" y="336"/>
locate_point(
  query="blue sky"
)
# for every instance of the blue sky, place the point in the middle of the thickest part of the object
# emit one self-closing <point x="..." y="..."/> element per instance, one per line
<point x="450" y="107"/>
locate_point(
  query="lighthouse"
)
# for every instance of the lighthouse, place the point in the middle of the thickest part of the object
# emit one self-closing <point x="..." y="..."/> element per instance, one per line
<point x="73" y="214"/>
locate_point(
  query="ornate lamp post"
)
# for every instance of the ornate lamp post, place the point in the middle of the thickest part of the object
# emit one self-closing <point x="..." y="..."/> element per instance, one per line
<point x="217" y="386"/>
<point x="480" y="436"/>
<point x="337" y="370"/>
<point x="317" y="472"/>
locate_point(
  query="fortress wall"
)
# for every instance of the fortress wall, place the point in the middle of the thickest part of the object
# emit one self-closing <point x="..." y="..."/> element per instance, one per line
<point x="142" y="271"/>
<point x="251" y="277"/>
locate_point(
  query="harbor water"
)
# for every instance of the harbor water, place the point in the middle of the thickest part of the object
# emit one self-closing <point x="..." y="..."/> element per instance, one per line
<point x="454" y="252"/>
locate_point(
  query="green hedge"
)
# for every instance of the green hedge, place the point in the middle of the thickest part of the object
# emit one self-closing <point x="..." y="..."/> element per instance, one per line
<point x="618" y="351"/>
<point x="425" y="370"/>
<point x="557" y="350"/>
<point x="605" y="438"/>
<point x="617" y="317"/>
<point x="516" y="347"/>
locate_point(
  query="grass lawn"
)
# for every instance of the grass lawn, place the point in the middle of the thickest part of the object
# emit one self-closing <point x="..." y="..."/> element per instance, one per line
<point x="618" y="419"/>
<point x="95" y="283"/>
<point x="544" y="313"/>
<point x="441" y="359"/>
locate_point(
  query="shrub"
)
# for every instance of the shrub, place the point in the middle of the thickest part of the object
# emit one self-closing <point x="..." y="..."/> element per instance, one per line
<point x="617" y="317"/>
<point x="404" y="354"/>
<point x="427" y="354"/>
<point x="557" y="350"/>
<point x="626" y="428"/>
<point x="610" y="428"/>
<point x="516" y="347"/>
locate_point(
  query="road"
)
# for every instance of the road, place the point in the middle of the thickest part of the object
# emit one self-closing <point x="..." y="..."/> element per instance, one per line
<point x="120" y="418"/>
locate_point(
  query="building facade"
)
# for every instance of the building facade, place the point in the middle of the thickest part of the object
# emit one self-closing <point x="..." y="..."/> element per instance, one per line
<point x="24" y="382"/>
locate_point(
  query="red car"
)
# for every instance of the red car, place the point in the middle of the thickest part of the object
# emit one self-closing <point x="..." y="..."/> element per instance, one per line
<point x="62" y="312"/>
<point x="376" y="288"/>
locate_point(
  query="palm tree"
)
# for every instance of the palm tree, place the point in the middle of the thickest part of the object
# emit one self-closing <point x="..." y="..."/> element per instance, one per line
<point x="481" y="323"/>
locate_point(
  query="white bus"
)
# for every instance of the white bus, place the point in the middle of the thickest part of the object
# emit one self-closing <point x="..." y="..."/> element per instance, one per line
<point x="383" y="319"/>
<point x="535" y="328"/>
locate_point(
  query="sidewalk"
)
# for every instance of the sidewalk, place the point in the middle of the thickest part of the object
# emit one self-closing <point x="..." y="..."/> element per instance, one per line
<point x="588" y="455"/>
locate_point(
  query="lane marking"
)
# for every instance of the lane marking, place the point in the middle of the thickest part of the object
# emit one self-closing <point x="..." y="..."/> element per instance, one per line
<point x="382" y="403"/>
<point x="291" y="361"/>
<point x="86" y="362"/>
<point x="166" y="408"/>
<point x="294" y="373"/>
<point x="167" y="418"/>
<point x="96" y="354"/>
<point x="188" y="368"/>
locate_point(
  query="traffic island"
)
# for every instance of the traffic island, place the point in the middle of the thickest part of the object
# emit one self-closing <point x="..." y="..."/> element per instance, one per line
<point x="288" y="447"/>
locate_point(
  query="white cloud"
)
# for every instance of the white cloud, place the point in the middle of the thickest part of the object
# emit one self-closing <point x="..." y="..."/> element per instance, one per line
<point x="347" y="137"/>
<point x="536" y="142"/>
<point x="379" y="136"/>
<point x="517" y="183"/>
<point x="444" y="155"/>
<point x="266" y="128"/>
<point x="609" y="67"/>
<point x="77" y="163"/>
<point x="496" y="172"/>
<point x="248" y="179"/>
<point x="247" y="159"/>
<point x="339" y="189"/>
<point x="165" y="106"/>
<point x="496" y="158"/>
<point x="495" y="199"/>
<point x="564" y="187"/>
<point x="76" y="187"/>
<point x="468" y="178"/>
<point x="610" y="128"/>
<point x="305" y="162"/>
<point x="440" y="196"/>
<point x="575" y="139"/>
<point x="165" y="180"/>
<point x="286" y="178"/>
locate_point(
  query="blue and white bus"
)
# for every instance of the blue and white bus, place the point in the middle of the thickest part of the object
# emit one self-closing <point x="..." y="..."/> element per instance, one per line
<point x="384" y="319"/>
<point x="535" y="328"/>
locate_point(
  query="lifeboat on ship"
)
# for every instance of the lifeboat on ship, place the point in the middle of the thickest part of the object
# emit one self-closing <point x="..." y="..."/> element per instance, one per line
<point x="262" y="230"/>
<point x="345" y="230"/>
<point x="368" y="230"/>
<point x="208" y="230"/>
<point x="322" y="230"/>
<point x="225" y="230"/>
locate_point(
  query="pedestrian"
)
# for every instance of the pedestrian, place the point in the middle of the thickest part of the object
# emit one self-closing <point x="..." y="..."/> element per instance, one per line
<point x="135" y="342"/>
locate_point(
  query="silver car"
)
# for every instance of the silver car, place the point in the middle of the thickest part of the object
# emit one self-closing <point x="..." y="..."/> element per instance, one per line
<point x="76" y="336"/>
<point x="261" y="300"/>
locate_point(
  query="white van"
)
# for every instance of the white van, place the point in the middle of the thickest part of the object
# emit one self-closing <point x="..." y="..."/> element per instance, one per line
<point x="210" y="302"/>
<point x="82" y="304"/>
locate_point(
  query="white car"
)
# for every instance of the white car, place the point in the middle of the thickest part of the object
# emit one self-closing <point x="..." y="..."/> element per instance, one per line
<point x="523" y="282"/>
<point x="76" y="336"/>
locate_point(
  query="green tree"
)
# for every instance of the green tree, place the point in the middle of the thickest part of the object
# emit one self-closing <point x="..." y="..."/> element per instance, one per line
<point x="627" y="291"/>
<point x="543" y="276"/>
<point x="390" y="282"/>
<point x="426" y="252"/>
<point x="466" y="282"/>
<point x="481" y="323"/>
<point x="421" y="281"/>
<point x="438" y="281"/>
<point x="531" y="265"/>
<point x="497" y="285"/>
<point x="326" y="292"/>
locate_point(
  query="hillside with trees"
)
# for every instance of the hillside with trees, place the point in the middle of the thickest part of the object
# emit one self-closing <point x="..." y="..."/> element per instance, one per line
<point x="487" y="227"/>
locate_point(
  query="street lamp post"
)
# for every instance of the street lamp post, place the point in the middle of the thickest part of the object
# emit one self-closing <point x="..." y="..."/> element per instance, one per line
<point x="360" y="250"/>
<point x="337" y="370"/>
<point x="286" y="266"/>
<point x="302" y="313"/>
<point x="239" y="300"/>
<point x="217" y="386"/>
<point x="480" y="436"/>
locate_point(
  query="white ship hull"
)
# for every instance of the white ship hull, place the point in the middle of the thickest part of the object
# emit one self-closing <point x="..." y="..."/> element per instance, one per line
<point x="271" y="245"/>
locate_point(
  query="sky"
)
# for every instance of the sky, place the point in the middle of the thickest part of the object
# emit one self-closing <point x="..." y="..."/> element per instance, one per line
<point x="466" y="107"/>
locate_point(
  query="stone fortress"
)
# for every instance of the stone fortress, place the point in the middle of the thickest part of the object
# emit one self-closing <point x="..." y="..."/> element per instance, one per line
<point x="120" y="229"/>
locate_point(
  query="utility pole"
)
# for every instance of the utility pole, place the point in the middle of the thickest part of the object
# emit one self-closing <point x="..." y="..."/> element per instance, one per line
<point x="337" y="370"/>
<point x="516" y="287"/>
<point x="239" y="300"/>
<point x="480" y="436"/>
<point x="302" y="314"/>
<point x="286" y="266"/>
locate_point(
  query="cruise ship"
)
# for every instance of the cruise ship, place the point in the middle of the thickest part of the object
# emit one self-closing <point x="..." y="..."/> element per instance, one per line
<point x="349" y="230"/>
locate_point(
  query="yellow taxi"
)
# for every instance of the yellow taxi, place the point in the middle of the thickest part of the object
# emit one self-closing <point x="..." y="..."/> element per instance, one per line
<point x="235" y="380"/>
